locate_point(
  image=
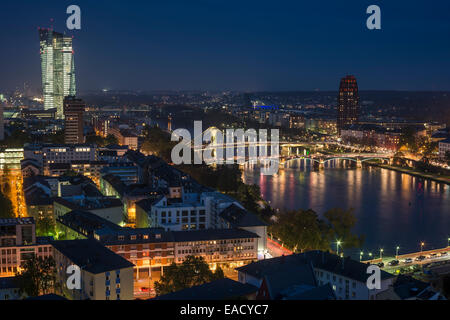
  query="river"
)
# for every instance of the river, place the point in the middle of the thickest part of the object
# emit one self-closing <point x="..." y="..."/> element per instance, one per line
<point x="392" y="209"/>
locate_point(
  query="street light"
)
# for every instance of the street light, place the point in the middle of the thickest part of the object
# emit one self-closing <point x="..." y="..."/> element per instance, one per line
<point x="421" y="246"/>
<point x="338" y="243"/>
<point x="396" y="252"/>
<point x="360" y="256"/>
<point x="381" y="254"/>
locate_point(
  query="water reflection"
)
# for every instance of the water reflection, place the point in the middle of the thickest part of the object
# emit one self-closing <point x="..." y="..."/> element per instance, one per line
<point x="392" y="208"/>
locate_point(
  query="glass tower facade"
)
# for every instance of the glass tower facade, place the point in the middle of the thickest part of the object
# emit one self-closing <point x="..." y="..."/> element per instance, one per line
<point x="58" y="69"/>
<point x="348" y="103"/>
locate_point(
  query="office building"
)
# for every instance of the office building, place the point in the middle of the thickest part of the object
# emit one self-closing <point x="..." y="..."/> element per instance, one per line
<point x="47" y="154"/>
<point x="348" y="103"/>
<point x="73" y="114"/>
<point x="58" y="69"/>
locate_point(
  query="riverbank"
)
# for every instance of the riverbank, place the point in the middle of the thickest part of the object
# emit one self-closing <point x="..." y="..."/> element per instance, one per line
<point x="412" y="172"/>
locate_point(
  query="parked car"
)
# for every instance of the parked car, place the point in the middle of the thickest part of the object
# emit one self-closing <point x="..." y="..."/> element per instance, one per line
<point x="443" y="254"/>
<point x="380" y="264"/>
<point x="408" y="260"/>
<point x="393" y="262"/>
<point x="433" y="255"/>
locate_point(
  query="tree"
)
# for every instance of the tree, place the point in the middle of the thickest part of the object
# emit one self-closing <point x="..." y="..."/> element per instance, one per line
<point x="45" y="226"/>
<point x="340" y="224"/>
<point x="111" y="139"/>
<point x="408" y="139"/>
<point x="300" y="230"/>
<point x="249" y="196"/>
<point x="6" y="208"/>
<point x="37" y="277"/>
<point x="193" y="271"/>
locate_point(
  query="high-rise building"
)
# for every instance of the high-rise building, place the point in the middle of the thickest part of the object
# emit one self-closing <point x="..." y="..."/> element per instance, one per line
<point x="73" y="112"/>
<point x="348" y="102"/>
<point x="58" y="69"/>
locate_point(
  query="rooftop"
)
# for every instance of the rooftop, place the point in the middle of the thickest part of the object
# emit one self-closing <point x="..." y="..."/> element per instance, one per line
<point x="91" y="256"/>
<point x="222" y="289"/>
<point x="239" y="217"/>
<point x="212" y="234"/>
<point x="16" y="221"/>
<point x="8" y="283"/>
<point x="345" y="267"/>
<point x="86" y="222"/>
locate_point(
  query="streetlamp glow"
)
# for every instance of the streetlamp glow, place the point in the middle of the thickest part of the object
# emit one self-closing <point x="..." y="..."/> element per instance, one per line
<point x="421" y="246"/>
<point x="396" y="251"/>
<point x="338" y="243"/>
<point x="381" y="253"/>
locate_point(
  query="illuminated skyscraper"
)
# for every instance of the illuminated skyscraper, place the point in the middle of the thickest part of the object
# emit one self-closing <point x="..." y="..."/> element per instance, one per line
<point x="348" y="103"/>
<point x="58" y="69"/>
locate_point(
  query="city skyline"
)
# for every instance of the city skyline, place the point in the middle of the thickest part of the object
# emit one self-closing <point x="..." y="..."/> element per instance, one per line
<point x="197" y="47"/>
<point x="224" y="150"/>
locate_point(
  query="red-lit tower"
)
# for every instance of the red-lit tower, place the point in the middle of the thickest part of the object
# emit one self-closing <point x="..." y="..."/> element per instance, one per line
<point x="348" y="102"/>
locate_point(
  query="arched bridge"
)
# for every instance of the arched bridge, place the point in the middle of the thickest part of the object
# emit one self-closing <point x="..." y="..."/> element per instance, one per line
<point x="321" y="159"/>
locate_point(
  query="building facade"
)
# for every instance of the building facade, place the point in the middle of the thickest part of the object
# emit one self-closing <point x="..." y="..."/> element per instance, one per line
<point x="18" y="243"/>
<point x="59" y="153"/>
<point x="348" y="103"/>
<point x="58" y="69"/>
<point x="104" y="274"/>
<point x="73" y="118"/>
<point x="444" y="148"/>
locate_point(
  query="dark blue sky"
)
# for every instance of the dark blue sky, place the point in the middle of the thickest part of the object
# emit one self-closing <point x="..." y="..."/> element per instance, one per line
<point x="235" y="44"/>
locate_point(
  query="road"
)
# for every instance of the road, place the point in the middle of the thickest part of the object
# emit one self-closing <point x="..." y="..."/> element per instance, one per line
<point x="427" y="254"/>
<point x="276" y="250"/>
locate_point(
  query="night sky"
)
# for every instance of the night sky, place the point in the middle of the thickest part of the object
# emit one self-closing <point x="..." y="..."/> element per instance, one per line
<point x="235" y="44"/>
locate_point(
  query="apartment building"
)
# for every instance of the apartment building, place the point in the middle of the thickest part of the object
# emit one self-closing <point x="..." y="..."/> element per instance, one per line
<point x="104" y="274"/>
<point x="125" y="137"/>
<point x="153" y="249"/>
<point x="234" y="247"/>
<point x="177" y="210"/>
<point x="18" y="242"/>
<point x="346" y="277"/>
